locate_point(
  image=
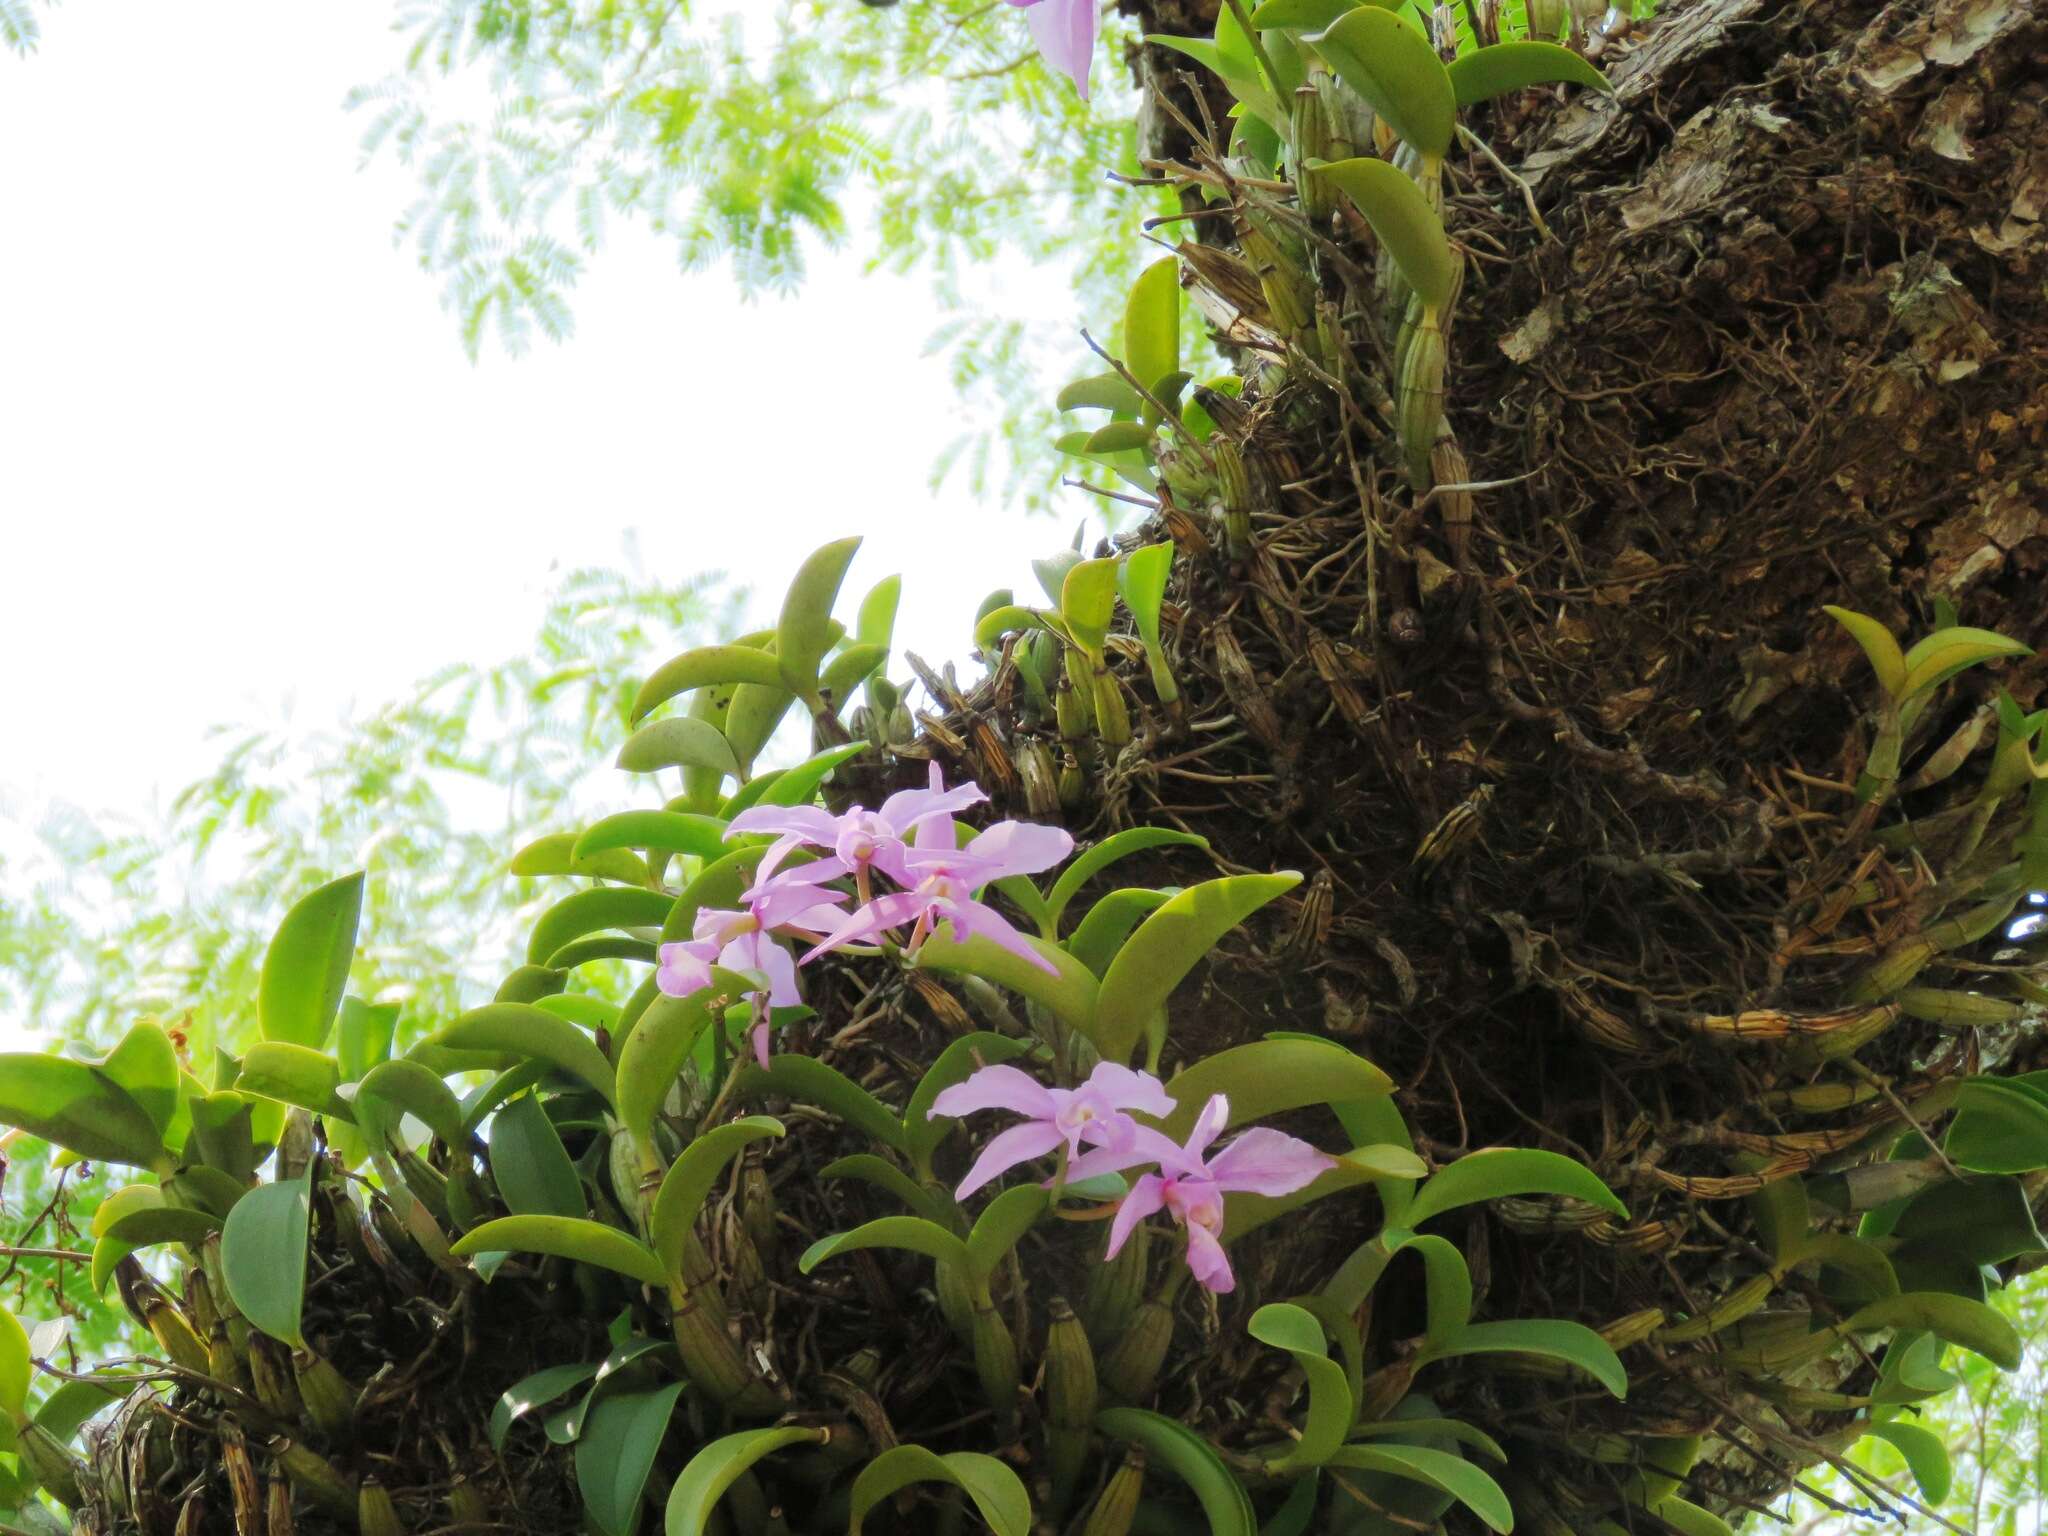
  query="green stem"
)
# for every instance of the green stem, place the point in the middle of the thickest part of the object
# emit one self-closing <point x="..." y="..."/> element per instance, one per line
<point x="1258" y="48"/>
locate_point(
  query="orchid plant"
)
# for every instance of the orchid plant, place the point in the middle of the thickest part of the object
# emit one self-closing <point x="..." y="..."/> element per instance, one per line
<point x="574" y="1126"/>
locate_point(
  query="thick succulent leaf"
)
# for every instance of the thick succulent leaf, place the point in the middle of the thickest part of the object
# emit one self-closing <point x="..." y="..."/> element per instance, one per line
<point x="305" y="970"/>
<point x="1971" y="1324"/>
<point x="689" y="1180"/>
<point x="679" y="742"/>
<point x="810" y="1081"/>
<point x="1925" y="1452"/>
<point x="263" y="1257"/>
<point x="520" y="1029"/>
<point x="1391" y="64"/>
<point x="536" y="1391"/>
<point x="396" y="1088"/>
<point x="1166" y="946"/>
<point x="594" y="911"/>
<point x="1330" y="1402"/>
<point x="1439" y="1470"/>
<point x="708" y="666"/>
<point x="1495" y="1172"/>
<point x="551" y="855"/>
<point x="1224" y="1502"/>
<point x="77" y="1107"/>
<point x="566" y="1237"/>
<point x="1069" y="991"/>
<point x="145" y="1064"/>
<point x="805" y="632"/>
<point x="652" y="1056"/>
<point x="660" y="831"/>
<point x="885" y="1175"/>
<point x="717" y="1467"/>
<point x="997" y="1492"/>
<point x="293" y="1074"/>
<point x="912" y="1234"/>
<point x="1269" y="1077"/>
<point x="1091" y="861"/>
<point x="1546" y="1338"/>
<point x="1002" y="1225"/>
<point x="1485" y="73"/>
<point x="1402" y="218"/>
<point x="1152" y="326"/>
<point x="529" y="1164"/>
<point x="615" y="1453"/>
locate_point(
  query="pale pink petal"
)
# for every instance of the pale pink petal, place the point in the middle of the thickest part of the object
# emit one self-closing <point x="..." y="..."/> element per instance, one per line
<point x="997" y="1087"/>
<point x="1146" y="1197"/>
<point x="1065" y="33"/>
<point x="1020" y="847"/>
<point x="883" y="913"/>
<point x="1140" y="1147"/>
<point x="908" y="807"/>
<point x="1266" y="1162"/>
<point x="715" y="925"/>
<point x="761" y="1044"/>
<point x="1209" y="1125"/>
<point x="972" y="917"/>
<point x="758" y="952"/>
<point x="807" y="823"/>
<point x="1207" y="1259"/>
<point x="682" y="969"/>
<point x="1130" y="1089"/>
<point x="1019" y="1144"/>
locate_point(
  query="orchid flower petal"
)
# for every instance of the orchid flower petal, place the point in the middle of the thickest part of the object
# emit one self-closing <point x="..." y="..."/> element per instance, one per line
<point x="1019" y="1144"/>
<point x="1208" y="1260"/>
<point x="997" y="1087"/>
<point x="810" y="823"/>
<point x="883" y="913"/>
<point x="1127" y="1088"/>
<point x="1065" y="33"/>
<point x="1209" y="1125"/>
<point x="1147" y="1196"/>
<point x="683" y="969"/>
<point x="1020" y="847"/>
<point x="973" y="917"/>
<point x="1267" y="1162"/>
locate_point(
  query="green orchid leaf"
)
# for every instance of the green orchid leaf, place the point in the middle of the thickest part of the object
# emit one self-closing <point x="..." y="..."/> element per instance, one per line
<point x="1141" y="581"/>
<point x="603" y="947"/>
<point x="1941" y="655"/>
<point x="1331" y="1405"/>
<point x="1999" y="1127"/>
<point x="1224" y="1502"/>
<point x="810" y="1081"/>
<point x="364" y="1039"/>
<point x="1486" y="73"/>
<point x="145" y="1066"/>
<point x="305" y="970"/>
<point x="551" y="855"/>
<point x="1269" y="1077"/>
<point x="1440" y="1470"/>
<point x="1496" y="1172"/>
<point x="886" y="1176"/>
<point x="1925" y="1453"/>
<point x="708" y="666"/>
<point x="610" y="906"/>
<point x="876" y="623"/>
<point x="1392" y="65"/>
<point x="1168" y="945"/>
<point x="1096" y="939"/>
<point x="1299" y="15"/>
<point x="139" y="1217"/>
<point x="1103" y="392"/>
<point x="1886" y="659"/>
<point x="1002" y="1225"/>
<point x="263" y="1257"/>
<point x="1402" y="218"/>
<point x="912" y="1234"/>
<point x="16" y="1368"/>
<point x="535" y="1391"/>
<point x="1152" y="328"/>
<point x="1970" y="1324"/>
<point x="77" y="1107"/>
<point x="395" y="1088"/>
<point x="529" y="1164"/>
<point x="1979" y="1221"/>
<point x="293" y="1074"/>
<point x="1118" y="437"/>
<point x="1091" y="861"/>
<point x="1690" y="1520"/>
<point x="717" y="1467"/>
<point x="1009" y="619"/>
<point x="615" y="1451"/>
<point x="565" y="1237"/>
<point x="689" y="1180"/>
<point x="799" y="785"/>
<point x="1449" y="1429"/>
<point x="719" y="886"/>
<point x="845" y="672"/>
<point x="1447" y="1283"/>
<point x="1546" y="1338"/>
<point x="1088" y="602"/>
<point x="661" y="831"/>
<point x="679" y="742"/>
<point x="1068" y="991"/>
<point x="997" y="1492"/>
<point x="520" y="1029"/>
<point x="805" y="631"/>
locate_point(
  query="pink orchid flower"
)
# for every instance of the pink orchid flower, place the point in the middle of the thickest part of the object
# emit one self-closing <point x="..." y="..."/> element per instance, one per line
<point x="859" y="838"/>
<point x="742" y="941"/>
<point x="1065" y="33"/>
<point x="1093" y="1112"/>
<point x="943" y="880"/>
<point x="1190" y="1186"/>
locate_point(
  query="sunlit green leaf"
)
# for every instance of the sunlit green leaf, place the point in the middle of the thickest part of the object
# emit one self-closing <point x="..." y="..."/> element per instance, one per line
<point x="305" y="970"/>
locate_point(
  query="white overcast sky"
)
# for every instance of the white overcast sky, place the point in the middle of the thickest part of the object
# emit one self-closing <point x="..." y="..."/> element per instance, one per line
<point x="243" y="458"/>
